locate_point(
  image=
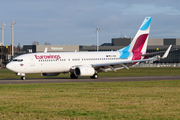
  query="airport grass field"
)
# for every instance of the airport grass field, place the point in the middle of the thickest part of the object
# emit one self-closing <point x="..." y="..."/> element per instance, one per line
<point x="107" y="100"/>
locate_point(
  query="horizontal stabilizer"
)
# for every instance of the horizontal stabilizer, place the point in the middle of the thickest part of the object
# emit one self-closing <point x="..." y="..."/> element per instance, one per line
<point x="154" y="53"/>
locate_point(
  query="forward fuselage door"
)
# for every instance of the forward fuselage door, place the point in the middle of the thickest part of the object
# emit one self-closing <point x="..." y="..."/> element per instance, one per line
<point x="32" y="61"/>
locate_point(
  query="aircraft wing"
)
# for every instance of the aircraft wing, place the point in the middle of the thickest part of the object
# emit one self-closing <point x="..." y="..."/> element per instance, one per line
<point x="123" y="64"/>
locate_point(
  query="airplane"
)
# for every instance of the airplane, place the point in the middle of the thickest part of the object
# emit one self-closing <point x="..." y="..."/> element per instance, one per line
<point x="87" y="63"/>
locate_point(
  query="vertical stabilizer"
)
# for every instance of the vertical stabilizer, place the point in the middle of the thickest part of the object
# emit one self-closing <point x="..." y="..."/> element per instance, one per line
<point x="139" y="43"/>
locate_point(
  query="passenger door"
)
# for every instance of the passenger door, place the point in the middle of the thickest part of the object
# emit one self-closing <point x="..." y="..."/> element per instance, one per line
<point x="32" y="61"/>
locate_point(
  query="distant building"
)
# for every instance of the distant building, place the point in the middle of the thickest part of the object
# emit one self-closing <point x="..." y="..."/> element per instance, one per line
<point x="50" y="48"/>
<point x="151" y="41"/>
<point x="121" y="41"/>
<point x="107" y="44"/>
<point x="5" y="55"/>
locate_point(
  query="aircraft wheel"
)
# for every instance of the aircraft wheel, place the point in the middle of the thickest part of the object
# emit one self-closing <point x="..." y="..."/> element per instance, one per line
<point x="73" y="76"/>
<point x="23" y="78"/>
<point x="95" y="76"/>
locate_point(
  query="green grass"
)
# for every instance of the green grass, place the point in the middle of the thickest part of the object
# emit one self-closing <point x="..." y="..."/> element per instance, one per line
<point x="144" y="72"/>
<point x="116" y="100"/>
<point x="6" y="74"/>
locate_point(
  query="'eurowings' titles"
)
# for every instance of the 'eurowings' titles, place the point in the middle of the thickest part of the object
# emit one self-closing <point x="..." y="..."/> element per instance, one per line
<point x="47" y="57"/>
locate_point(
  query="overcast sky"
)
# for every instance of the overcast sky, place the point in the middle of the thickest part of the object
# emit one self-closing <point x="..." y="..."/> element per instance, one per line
<point x="74" y="22"/>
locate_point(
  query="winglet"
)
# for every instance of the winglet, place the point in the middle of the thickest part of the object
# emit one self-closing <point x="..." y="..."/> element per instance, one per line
<point x="166" y="53"/>
<point x="45" y="51"/>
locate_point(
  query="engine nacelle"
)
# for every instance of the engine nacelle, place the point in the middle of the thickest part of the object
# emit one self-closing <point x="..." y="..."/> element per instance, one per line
<point x="50" y="74"/>
<point x="84" y="71"/>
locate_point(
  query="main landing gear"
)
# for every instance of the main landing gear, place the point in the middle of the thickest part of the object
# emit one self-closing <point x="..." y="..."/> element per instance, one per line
<point x="73" y="76"/>
<point x="95" y="76"/>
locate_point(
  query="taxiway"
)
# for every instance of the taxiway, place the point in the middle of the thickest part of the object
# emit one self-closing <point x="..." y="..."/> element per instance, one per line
<point x="86" y="79"/>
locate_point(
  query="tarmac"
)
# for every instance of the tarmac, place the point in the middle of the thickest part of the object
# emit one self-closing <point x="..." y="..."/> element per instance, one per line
<point x="87" y="79"/>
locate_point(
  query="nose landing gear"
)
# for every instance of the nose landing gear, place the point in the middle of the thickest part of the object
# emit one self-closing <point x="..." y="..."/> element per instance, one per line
<point x="23" y="78"/>
<point x="22" y="75"/>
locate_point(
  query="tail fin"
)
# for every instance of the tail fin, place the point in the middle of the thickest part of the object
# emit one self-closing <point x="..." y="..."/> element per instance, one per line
<point x="139" y="43"/>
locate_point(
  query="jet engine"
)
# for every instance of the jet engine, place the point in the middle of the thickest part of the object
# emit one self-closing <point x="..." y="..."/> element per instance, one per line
<point x="50" y="74"/>
<point x="84" y="71"/>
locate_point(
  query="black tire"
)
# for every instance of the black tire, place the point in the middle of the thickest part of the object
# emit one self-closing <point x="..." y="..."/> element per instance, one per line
<point x="73" y="76"/>
<point x="95" y="76"/>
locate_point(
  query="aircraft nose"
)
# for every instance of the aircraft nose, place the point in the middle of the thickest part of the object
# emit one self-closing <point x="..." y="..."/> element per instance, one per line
<point x="9" y="66"/>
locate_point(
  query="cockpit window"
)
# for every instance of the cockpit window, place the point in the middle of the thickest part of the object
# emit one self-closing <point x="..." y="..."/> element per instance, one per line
<point x="17" y="60"/>
<point x="14" y="59"/>
<point x="20" y="60"/>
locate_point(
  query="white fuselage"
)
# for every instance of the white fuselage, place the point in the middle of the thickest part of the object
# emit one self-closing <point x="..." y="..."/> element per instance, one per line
<point x="60" y="61"/>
